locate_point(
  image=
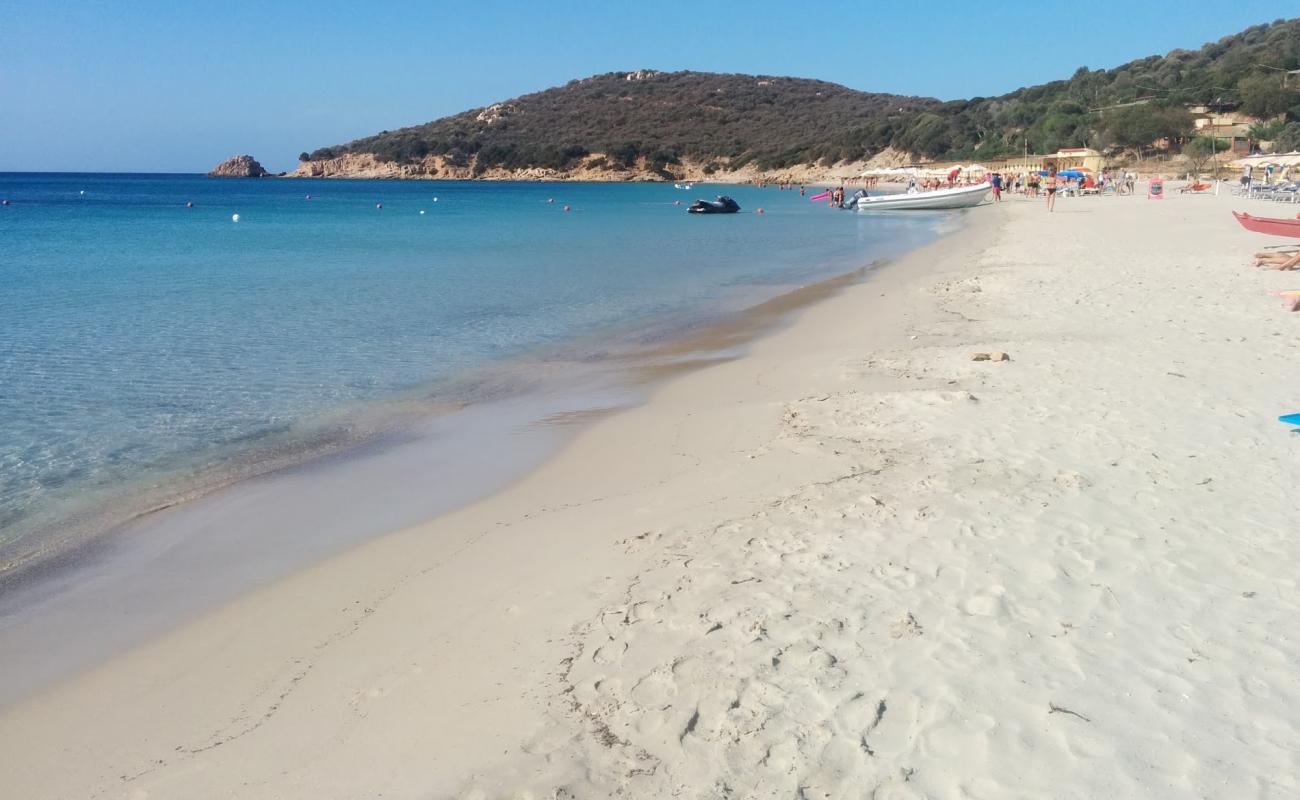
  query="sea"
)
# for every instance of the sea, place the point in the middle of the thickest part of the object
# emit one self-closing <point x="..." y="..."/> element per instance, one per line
<point x="161" y="335"/>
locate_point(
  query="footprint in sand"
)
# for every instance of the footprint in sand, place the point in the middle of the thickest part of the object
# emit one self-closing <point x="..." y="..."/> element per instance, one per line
<point x="609" y="652"/>
<point x="644" y="611"/>
<point x="987" y="604"/>
<point x="546" y="740"/>
<point x="893" y="576"/>
<point x="364" y="697"/>
<point x="655" y="690"/>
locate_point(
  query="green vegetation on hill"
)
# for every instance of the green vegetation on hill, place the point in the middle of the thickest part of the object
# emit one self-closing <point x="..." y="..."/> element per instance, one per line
<point x="779" y="122"/>
<point x="1244" y="71"/>
<point x="661" y="117"/>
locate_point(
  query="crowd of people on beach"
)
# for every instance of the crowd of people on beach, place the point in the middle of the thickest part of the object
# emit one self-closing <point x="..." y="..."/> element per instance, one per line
<point x="1272" y="173"/>
<point x="1046" y="184"/>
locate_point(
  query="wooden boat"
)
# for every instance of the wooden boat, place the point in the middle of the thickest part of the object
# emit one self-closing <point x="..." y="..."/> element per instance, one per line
<point x="956" y="197"/>
<point x="1269" y="225"/>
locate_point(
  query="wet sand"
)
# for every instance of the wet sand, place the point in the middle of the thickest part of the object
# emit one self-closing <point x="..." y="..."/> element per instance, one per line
<point x="117" y="589"/>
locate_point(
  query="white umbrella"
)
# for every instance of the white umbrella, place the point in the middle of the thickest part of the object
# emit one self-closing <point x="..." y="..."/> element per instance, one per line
<point x="1282" y="160"/>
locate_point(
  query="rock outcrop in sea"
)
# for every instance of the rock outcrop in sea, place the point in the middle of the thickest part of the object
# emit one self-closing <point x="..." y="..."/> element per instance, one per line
<point x="238" y="167"/>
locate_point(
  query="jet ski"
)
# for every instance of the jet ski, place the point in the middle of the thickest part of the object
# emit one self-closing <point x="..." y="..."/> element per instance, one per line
<point x="723" y="205"/>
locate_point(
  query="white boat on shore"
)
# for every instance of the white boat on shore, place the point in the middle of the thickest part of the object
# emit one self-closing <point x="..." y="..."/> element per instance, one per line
<point x="956" y="197"/>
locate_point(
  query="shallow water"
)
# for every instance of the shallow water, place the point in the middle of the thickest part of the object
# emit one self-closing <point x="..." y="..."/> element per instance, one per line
<point x="150" y="347"/>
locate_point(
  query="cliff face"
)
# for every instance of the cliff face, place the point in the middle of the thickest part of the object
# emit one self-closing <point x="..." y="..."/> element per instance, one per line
<point x="238" y="167"/>
<point x="594" y="167"/>
<point x="366" y="165"/>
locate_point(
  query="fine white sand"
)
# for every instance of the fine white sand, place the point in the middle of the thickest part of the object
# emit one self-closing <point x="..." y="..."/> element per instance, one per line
<point x="854" y="563"/>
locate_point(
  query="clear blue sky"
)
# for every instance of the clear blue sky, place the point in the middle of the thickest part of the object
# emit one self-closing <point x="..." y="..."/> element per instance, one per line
<point x="179" y="85"/>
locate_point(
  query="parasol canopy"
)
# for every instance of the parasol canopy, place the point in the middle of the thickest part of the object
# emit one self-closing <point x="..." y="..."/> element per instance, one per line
<point x="1277" y="159"/>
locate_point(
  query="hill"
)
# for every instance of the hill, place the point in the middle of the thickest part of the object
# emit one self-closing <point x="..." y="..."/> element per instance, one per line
<point x="642" y="121"/>
<point x="656" y="125"/>
<point x="1088" y="108"/>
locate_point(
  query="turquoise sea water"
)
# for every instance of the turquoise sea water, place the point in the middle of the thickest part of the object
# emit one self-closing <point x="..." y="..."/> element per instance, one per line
<point x="144" y="343"/>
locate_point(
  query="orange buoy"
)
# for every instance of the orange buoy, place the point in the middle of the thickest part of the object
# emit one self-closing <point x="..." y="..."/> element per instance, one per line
<point x="760" y="211"/>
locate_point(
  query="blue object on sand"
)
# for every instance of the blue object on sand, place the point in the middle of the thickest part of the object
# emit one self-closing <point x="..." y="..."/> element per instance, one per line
<point x="1294" y="419"/>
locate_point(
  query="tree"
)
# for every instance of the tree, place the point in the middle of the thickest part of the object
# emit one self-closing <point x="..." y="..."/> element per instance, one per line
<point x="1140" y="126"/>
<point x="1289" y="139"/>
<point x="1266" y="131"/>
<point x="1264" y="96"/>
<point x="303" y="156"/>
<point x="1200" y="151"/>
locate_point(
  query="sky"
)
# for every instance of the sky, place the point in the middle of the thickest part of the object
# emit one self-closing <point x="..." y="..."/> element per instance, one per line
<point x="126" y="86"/>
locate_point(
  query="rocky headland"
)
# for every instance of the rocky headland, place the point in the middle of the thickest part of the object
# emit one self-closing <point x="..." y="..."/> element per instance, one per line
<point x="592" y="167"/>
<point x="239" y="167"/>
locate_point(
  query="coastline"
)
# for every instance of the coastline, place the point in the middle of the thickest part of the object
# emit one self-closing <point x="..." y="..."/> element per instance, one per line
<point x="170" y="556"/>
<point x="448" y="534"/>
<point x="850" y="558"/>
<point x="65" y="515"/>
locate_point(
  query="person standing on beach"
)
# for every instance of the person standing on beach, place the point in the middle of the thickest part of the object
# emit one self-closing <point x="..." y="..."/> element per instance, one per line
<point x="996" y="183"/>
<point x="1050" y="185"/>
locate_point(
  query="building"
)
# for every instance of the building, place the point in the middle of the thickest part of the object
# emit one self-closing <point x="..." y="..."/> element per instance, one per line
<point x="1232" y="127"/>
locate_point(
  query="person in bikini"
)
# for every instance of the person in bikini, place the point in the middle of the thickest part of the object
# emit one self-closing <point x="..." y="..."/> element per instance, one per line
<point x="1050" y="185"/>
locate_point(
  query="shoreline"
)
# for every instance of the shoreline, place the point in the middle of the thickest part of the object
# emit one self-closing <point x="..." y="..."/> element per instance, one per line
<point x="73" y="516"/>
<point x="442" y="541"/>
<point x="853" y="560"/>
<point x="43" y="601"/>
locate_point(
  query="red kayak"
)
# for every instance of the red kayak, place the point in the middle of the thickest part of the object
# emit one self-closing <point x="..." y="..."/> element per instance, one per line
<point x="1269" y="225"/>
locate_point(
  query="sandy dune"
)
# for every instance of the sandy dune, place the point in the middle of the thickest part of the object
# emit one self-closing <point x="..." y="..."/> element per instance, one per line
<point x="854" y="564"/>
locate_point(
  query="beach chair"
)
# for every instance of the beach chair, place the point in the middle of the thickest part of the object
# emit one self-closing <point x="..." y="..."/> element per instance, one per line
<point x="1286" y="194"/>
<point x="1259" y="191"/>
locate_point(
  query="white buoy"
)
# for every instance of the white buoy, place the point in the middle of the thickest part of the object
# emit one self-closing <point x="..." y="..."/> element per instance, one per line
<point x="435" y="199"/>
<point x="422" y="211"/>
<point x="234" y="218"/>
<point x="83" y="191"/>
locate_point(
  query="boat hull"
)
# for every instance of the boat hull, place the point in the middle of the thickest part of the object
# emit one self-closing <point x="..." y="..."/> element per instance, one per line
<point x="1269" y="225"/>
<point x="939" y="199"/>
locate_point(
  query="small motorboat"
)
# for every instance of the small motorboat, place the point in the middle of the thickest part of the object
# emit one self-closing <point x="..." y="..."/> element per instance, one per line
<point x="956" y="197"/>
<point x="1269" y="225"/>
<point x="723" y="205"/>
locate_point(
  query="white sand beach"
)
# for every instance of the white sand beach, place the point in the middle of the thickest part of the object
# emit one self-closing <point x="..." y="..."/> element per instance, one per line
<point x="851" y="564"/>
